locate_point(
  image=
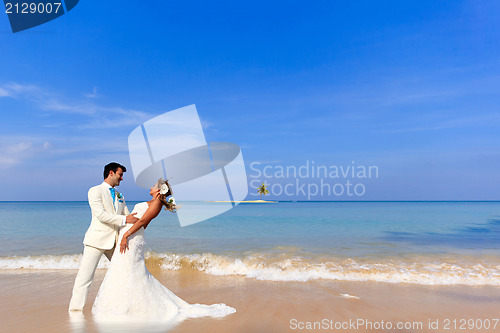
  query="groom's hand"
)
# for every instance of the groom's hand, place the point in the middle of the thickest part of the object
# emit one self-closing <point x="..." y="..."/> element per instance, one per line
<point x="131" y="218"/>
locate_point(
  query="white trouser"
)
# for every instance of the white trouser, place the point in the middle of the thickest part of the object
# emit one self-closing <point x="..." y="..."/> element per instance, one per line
<point x="88" y="265"/>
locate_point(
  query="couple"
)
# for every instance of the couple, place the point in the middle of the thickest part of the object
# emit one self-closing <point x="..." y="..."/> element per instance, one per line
<point x="128" y="289"/>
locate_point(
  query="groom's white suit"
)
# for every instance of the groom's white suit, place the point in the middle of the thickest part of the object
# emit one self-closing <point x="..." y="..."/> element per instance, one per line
<point x="107" y="219"/>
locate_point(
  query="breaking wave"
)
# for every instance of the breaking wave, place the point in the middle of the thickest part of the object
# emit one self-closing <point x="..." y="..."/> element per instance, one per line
<point x="279" y="268"/>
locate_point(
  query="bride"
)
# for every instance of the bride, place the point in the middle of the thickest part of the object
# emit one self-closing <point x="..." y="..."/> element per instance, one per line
<point x="129" y="290"/>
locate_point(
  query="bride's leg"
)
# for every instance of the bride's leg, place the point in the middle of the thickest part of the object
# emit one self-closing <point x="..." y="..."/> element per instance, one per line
<point x="88" y="265"/>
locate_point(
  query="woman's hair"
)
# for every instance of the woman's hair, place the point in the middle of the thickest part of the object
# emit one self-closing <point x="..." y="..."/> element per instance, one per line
<point x="170" y="206"/>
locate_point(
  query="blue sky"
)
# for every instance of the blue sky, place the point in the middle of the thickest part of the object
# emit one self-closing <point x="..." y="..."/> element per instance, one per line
<point x="411" y="87"/>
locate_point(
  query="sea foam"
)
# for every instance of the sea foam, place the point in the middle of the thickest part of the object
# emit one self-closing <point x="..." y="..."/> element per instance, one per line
<point x="277" y="268"/>
<point x="46" y="262"/>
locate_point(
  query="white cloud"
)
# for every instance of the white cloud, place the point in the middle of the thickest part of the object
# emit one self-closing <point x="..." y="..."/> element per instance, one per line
<point x="19" y="148"/>
<point x="15" y="90"/>
<point x="7" y="161"/>
<point x="114" y="117"/>
<point x="53" y="104"/>
<point x="21" y="88"/>
<point x="99" y="116"/>
<point x="15" y="153"/>
<point x="93" y="94"/>
<point x="4" y="92"/>
<point x="206" y="124"/>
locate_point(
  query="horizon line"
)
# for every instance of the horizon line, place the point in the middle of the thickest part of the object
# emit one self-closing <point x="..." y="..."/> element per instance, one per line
<point x="277" y="201"/>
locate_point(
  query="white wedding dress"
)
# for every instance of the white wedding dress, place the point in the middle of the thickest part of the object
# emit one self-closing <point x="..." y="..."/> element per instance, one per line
<point x="130" y="291"/>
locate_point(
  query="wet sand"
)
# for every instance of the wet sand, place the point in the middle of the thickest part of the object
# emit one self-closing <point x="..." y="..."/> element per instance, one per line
<point x="36" y="301"/>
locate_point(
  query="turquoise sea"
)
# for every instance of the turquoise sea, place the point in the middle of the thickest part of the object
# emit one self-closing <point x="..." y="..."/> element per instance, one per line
<point x="399" y="242"/>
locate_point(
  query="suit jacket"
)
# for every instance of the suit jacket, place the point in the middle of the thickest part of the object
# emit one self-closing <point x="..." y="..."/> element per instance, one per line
<point x="107" y="218"/>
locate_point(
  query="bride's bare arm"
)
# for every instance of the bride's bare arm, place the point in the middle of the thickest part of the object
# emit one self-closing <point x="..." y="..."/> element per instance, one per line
<point x="152" y="212"/>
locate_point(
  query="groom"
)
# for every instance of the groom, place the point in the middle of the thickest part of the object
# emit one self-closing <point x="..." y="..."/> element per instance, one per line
<point x="109" y="215"/>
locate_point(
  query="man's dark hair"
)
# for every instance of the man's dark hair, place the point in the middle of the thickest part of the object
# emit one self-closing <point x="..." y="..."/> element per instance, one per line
<point x="113" y="166"/>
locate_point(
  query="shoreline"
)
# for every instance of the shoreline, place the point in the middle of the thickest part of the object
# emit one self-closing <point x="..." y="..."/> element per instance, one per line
<point x="302" y="201"/>
<point x="38" y="300"/>
<point x="288" y="265"/>
<point x="246" y="201"/>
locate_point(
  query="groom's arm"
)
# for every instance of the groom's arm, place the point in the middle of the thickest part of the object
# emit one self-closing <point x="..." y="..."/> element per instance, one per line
<point x="97" y="207"/>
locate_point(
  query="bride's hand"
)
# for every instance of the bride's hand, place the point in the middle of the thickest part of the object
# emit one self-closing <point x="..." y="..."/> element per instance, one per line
<point x="124" y="244"/>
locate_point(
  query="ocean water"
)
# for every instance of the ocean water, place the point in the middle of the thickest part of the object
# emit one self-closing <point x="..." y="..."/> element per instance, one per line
<point x="439" y="243"/>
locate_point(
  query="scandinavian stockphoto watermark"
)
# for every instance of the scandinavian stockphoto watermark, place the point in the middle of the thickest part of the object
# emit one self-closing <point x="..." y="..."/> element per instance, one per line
<point x="355" y="325"/>
<point x="173" y="145"/>
<point x="311" y="180"/>
<point x="26" y="14"/>
<point x="364" y="324"/>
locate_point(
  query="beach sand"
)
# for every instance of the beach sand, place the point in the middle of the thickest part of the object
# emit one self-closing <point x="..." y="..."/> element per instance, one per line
<point x="36" y="301"/>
